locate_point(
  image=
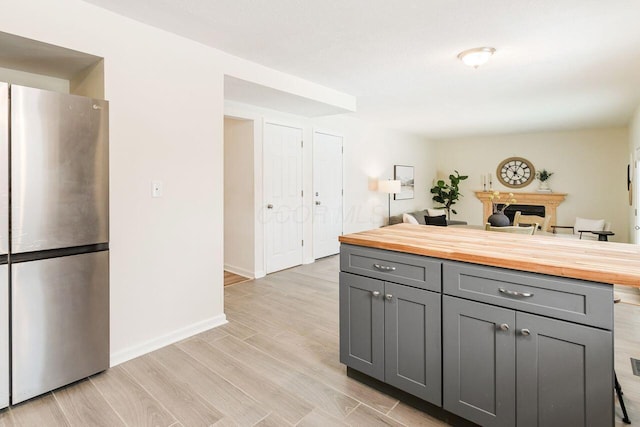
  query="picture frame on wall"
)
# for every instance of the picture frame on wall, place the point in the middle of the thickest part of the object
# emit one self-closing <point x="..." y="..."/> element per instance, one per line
<point x="406" y="177"/>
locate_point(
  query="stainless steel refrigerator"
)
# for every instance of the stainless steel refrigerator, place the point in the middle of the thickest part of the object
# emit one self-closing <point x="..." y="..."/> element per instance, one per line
<point x="54" y="240"/>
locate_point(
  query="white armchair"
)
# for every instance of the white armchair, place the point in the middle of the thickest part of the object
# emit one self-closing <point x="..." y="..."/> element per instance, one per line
<point x="582" y="228"/>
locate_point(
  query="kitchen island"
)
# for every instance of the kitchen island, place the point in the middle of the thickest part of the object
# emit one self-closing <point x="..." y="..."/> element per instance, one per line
<point x="495" y="328"/>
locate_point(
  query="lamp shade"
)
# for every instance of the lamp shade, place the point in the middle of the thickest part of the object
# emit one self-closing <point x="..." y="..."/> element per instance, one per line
<point x="389" y="186"/>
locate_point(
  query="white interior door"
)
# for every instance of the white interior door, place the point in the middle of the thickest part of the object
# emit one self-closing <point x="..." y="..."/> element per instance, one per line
<point x="283" y="196"/>
<point x="327" y="194"/>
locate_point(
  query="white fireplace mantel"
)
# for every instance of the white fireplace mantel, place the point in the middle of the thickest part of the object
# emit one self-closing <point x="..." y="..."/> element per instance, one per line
<point x="550" y="201"/>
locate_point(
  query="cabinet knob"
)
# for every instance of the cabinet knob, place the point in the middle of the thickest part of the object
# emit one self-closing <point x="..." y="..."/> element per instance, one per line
<point x="389" y="297"/>
<point x="525" y="332"/>
<point x="504" y="327"/>
<point x="375" y="293"/>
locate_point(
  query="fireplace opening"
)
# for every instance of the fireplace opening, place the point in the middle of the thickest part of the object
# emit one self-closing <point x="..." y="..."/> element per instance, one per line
<point x="511" y="210"/>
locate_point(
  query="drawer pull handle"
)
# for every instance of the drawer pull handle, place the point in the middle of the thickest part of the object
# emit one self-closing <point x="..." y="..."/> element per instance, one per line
<point x="376" y="293"/>
<point x="515" y="294"/>
<point x="384" y="267"/>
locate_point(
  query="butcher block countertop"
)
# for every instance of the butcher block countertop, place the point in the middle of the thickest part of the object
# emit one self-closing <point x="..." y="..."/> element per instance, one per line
<point x="606" y="262"/>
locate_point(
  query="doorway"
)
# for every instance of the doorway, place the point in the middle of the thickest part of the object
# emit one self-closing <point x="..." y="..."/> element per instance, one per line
<point x="239" y="205"/>
<point x="283" y="213"/>
<point x="327" y="194"/>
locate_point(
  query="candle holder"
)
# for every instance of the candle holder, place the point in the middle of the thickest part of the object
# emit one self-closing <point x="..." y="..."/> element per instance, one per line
<point x="490" y="185"/>
<point x="484" y="187"/>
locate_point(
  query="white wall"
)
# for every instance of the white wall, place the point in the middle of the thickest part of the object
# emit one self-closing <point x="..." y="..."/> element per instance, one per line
<point x="166" y="123"/>
<point x="239" y="210"/>
<point x="369" y="154"/>
<point x="34" y="80"/>
<point x="634" y="158"/>
<point x="588" y="165"/>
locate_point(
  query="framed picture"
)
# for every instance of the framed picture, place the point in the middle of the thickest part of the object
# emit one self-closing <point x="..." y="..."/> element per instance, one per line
<point x="405" y="175"/>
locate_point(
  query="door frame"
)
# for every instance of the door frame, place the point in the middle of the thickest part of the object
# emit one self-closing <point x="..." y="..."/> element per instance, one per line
<point x="635" y="157"/>
<point x="338" y="135"/>
<point x="261" y="208"/>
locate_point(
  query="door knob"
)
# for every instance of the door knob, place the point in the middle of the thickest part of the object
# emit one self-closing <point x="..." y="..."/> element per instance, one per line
<point x="504" y="327"/>
<point x="269" y="206"/>
<point x="318" y="203"/>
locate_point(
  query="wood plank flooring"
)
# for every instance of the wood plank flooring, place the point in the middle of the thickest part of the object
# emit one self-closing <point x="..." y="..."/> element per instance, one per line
<point x="275" y="364"/>
<point x="233" y="279"/>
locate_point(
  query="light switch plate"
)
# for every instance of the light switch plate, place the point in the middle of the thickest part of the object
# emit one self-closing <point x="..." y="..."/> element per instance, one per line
<point x="156" y="188"/>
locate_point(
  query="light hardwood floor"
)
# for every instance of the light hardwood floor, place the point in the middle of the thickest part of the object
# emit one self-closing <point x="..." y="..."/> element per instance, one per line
<point x="233" y="279"/>
<point x="274" y="364"/>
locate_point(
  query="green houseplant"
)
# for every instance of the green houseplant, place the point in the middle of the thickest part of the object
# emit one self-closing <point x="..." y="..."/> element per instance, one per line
<point x="543" y="175"/>
<point x="448" y="194"/>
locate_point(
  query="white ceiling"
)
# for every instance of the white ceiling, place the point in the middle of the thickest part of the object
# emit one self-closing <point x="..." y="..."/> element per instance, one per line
<point x="560" y="64"/>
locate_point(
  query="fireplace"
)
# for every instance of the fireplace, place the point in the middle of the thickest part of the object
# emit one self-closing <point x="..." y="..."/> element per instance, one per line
<point x="511" y="210"/>
<point x="527" y="203"/>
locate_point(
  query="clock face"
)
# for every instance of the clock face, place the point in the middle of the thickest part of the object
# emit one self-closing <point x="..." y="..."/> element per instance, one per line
<point x="516" y="172"/>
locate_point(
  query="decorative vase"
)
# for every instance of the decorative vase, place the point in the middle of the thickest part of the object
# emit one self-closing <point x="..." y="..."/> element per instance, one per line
<point x="499" y="219"/>
<point x="544" y="186"/>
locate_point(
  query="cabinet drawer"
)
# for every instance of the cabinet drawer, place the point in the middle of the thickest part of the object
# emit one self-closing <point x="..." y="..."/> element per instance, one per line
<point x="562" y="298"/>
<point x="406" y="269"/>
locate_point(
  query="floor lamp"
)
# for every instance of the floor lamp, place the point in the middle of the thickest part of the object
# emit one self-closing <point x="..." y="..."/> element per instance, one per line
<point x="390" y="187"/>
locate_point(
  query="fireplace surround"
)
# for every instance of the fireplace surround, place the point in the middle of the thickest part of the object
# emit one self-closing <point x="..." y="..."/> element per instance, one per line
<point x="549" y="201"/>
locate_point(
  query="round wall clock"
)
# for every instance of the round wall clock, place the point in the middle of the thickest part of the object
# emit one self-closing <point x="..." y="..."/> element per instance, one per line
<point x="516" y="172"/>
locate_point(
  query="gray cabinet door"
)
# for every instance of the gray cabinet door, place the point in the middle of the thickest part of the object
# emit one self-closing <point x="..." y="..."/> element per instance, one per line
<point x="413" y="342"/>
<point x="362" y="324"/>
<point x="479" y="362"/>
<point x="565" y="373"/>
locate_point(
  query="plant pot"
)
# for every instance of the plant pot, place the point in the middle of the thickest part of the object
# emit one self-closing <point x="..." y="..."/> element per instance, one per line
<point x="544" y="186"/>
<point x="499" y="220"/>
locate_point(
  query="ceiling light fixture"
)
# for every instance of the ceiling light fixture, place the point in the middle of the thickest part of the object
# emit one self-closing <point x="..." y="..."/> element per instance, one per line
<point x="477" y="56"/>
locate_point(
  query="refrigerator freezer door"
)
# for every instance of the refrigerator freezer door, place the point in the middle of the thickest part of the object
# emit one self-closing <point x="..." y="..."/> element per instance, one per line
<point x="4" y="168"/>
<point x="4" y="336"/>
<point x="60" y="322"/>
<point x="59" y="170"/>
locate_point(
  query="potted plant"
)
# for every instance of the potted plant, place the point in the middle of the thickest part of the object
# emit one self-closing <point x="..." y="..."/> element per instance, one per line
<point x="543" y="175"/>
<point x="448" y="194"/>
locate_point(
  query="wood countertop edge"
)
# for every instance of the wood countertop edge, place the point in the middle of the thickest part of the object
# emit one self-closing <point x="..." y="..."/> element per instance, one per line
<point x="593" y="273"/>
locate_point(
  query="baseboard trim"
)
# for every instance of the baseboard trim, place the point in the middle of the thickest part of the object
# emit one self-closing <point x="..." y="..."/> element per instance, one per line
<point x="260" y="274"/>
<point x="164" y="340"/>
<point x="240" y="271"/>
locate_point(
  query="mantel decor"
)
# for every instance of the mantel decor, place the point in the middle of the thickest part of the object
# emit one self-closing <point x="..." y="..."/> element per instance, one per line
<point x="498" y="218"/>
<point x="549" y="200"/>
<point x="515" y="172"/>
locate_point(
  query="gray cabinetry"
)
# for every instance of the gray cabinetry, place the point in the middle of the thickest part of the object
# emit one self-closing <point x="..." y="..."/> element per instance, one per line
<point x="391" y="332"/>
<point x="412" y="341"/>
<point x="559" y="373"/>
<point x="499" y="348"/>
<point x="479" y="362"/>
<point x="565" y="373"/>
<point x="362" y="324"/>
<point x="406" y="269"/>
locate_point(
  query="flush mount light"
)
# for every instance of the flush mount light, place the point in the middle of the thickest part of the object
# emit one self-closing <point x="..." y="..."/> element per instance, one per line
<point x="477" y="56"/>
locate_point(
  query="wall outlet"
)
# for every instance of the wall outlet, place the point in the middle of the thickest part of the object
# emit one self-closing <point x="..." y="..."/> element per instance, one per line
<point x="156" y="188"/>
